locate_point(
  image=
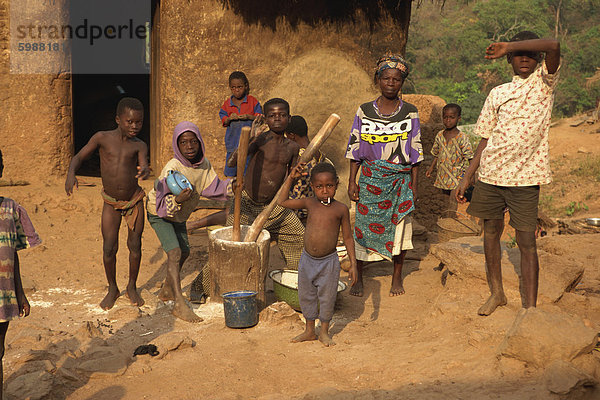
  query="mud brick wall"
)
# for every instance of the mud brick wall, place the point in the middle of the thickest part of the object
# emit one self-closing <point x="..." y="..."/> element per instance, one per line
<point x="35" y="122"/>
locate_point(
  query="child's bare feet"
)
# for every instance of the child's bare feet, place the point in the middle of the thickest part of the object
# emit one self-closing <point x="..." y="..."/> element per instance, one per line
<point x="134" y="296"/>
<point x="324" y="336"/>
<point x="397" y="288"/>
<point x="304" y="337"/>
<point x="166" y="293"/>
<point x="492" y="303"/>
<point x="111" y="297"/>
<point x="357" y="288"/>
<point x="326" y="339"/>
<point x="182" y="311"/>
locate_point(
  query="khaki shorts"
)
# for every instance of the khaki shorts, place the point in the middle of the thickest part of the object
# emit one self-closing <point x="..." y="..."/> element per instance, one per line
<point x="489" y="202"/>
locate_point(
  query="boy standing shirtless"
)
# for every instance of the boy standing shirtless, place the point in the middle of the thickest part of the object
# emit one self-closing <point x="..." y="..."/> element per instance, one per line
<point x="123" y="159"/>
<point x="319" y="269"/>
<point x="272" y="156"/>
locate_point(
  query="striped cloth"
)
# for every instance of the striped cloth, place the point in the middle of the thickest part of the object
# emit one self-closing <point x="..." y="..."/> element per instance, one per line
<point x="16" y="233"/>
<point x="128" y="208"/>
<point x="283" y="225"/>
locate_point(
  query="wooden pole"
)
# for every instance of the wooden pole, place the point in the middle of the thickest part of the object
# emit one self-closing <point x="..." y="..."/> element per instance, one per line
<point x="242" y="153"/>
<point x="308" y="154"/>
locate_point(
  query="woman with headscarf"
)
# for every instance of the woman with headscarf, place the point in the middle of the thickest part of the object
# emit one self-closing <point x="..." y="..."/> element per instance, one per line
<point x="386" y="142"/>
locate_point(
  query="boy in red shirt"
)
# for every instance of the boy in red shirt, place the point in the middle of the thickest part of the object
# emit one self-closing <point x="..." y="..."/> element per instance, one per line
<point x="238" y="110"/>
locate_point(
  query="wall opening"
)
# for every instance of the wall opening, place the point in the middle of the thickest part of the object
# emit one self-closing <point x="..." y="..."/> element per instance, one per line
<point x="95" y="96"/>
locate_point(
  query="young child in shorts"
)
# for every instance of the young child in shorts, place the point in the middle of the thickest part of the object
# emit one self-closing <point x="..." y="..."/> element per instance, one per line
<point x="297" y="131"/>
<point x="319" y="267"/>
<point x="16" y="233"/>
<point x="239" y="110"/>
<point x="513" y="158"/>
<point x="123" y="160"/>
<point x="452" y="153"/>
<point x="168" y="213"/>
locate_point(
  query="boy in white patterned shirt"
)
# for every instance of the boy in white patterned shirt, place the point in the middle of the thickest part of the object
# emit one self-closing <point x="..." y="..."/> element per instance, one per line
<point x="513" y="158"/>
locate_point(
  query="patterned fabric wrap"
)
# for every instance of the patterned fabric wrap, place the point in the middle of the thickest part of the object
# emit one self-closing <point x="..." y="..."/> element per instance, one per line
<point x="393" y="61"/>
<point x="128" y="208"/>
<point x="386" y="196"/>
<point x="16" y="233"/>
<point x="453" y="159"/>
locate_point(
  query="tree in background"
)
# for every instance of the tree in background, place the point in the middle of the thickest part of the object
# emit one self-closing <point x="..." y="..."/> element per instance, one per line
<point x="447" y="47"/>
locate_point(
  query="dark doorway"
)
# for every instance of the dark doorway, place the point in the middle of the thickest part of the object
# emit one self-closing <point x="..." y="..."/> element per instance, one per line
<point x="95" y="95"/>
<point x="95" y="99"/>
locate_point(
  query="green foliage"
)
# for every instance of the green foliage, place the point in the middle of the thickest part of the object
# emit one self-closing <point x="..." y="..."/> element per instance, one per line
<point x="513" y="241"/>
<point x="573" y="207"/>
<point x="446" y="49"/>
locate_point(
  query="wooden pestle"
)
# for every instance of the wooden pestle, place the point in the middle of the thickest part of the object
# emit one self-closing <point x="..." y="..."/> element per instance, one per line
<point x="242" y="153"/>
<point x="308" y="154"/>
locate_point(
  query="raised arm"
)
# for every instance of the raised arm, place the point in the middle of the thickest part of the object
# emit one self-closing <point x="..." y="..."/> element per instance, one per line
<point x="549" y="46"/>
<point x="284" y="194"/>
<point x="257" y="139"/>
<point x="78" y="159"/>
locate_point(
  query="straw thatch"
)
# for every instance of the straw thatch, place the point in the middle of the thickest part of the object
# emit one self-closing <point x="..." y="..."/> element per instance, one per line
<point x="312" y="12"/>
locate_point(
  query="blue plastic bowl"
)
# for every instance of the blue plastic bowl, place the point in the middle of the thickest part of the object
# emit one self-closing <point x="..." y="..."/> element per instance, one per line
<point x="176" y="182"/>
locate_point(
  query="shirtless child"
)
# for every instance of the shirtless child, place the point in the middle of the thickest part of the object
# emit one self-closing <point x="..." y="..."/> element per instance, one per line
<point x="272" y="156"/>
<point x="319" y="269"/>
<point x="123" y="159"/>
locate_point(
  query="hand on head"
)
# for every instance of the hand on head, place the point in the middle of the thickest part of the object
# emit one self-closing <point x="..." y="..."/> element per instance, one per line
<point x="496" y="50"/>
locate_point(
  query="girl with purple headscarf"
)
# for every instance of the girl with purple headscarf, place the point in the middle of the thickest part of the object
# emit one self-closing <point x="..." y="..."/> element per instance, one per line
<point x="168" y="213"/>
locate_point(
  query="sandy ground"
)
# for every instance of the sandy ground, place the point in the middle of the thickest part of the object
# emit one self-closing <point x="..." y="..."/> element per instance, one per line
<point x="427" y="344"/>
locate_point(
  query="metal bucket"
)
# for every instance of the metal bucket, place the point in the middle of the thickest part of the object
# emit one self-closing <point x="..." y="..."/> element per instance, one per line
<point x="241" y="309"/>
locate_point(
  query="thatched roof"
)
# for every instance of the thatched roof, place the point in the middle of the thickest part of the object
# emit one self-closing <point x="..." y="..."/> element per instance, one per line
<point x="267" y="12"/>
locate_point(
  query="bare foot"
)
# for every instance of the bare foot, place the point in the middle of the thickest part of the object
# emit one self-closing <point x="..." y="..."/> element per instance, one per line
<point x="182" y="311"/>
<point x="109" y="300"/>
<point x="304" y="337"/>
<point x="357" y="289"/>
<point x="134" y="296"/>
<point x="397" y="287"/>
<point x="166" y="293"/>
<point x="326" y="339"/>
<point x="492" y="303"/>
